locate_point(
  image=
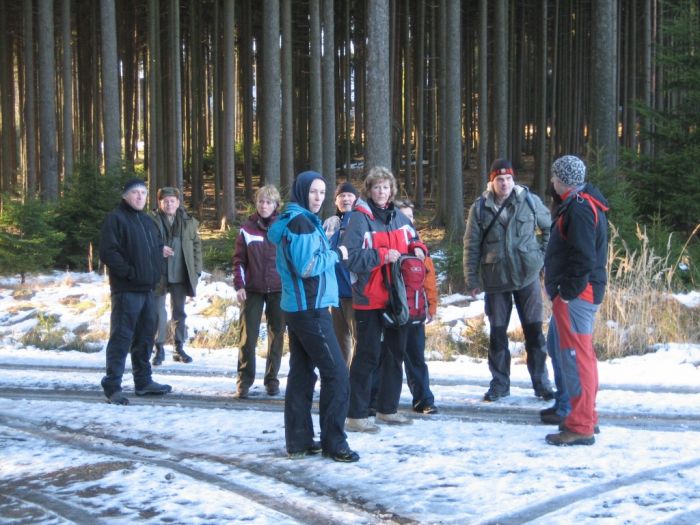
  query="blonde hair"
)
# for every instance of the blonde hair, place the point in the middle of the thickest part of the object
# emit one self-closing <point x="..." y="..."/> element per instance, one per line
<point x="380" y="174"/>
<point x="269" y="192"/>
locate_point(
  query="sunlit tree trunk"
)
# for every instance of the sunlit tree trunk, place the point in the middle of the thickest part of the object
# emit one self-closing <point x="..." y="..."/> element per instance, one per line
<point x="315" y="93"/>
<point x="228" y="131"/>
<point x="603" y="88"/>
<point x="377" y="105"/>
<point x="29" y="98"/>
<point x="328" y="88"/>
<point x="48" y="159"/>
<point x="67" y="90"/>
<point x="270" y="104"/>
<point x="454" y="214"/>
<point x="500" y="80"/>
<point x="287" y="147"/>
<point x="110" y="88"/>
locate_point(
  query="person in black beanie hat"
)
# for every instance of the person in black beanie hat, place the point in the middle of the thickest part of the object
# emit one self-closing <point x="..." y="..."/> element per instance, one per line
<point x="334" y="226"/>
<point x="132" y="250"/>
<point x="504" y="242"/>
<point x="306" y="265"/>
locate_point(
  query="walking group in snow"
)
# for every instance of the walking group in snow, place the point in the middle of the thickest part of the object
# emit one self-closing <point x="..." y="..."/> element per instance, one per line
<point x="356" y="291"/>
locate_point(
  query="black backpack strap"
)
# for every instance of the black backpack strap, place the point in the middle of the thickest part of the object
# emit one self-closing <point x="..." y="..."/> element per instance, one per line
<point x="495" y="218"/>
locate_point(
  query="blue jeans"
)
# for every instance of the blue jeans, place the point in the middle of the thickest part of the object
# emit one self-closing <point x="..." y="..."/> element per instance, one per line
<point x="561" y="396"/>
<point x="312" y="344"/>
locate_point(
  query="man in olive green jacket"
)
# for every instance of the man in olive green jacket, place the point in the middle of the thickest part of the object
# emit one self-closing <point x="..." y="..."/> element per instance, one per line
<point x="181" y="268"/>
<point x="503" y="256"/>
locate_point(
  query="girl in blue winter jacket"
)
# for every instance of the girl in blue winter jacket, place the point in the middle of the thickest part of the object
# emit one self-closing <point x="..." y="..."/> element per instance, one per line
<point x="306" y="264"/>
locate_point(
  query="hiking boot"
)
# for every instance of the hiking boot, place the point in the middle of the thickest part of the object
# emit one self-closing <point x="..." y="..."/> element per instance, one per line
<point x="272" y="388"/>
<point x="241" y="393"/>
<point x="314" y="449"/>
<point x="551" y="418"/>
<point x="158" y="355"/>
<point x="343" y="456"/>
<point x="426" y="409"/>
<point x="360" y="425"/>
<point x="118" y="398"/>
<point x="596" y="428"/>
<point x="545" y="395"/>
<point x="566" y="438"/>
<point x="550" y="410"/>
<point x="153" y="389"/>
<point x="393" y="419"/>
<point x="180" y="355"/>
<point x="492" y="395"/>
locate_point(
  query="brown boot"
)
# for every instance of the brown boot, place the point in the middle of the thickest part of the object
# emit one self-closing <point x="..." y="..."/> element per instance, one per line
<point x="567" y="438"/>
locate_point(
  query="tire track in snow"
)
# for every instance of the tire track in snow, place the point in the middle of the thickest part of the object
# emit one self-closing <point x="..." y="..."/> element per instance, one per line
<point x="481" y="412"/>
<point x="154" y="454"/>
<point x="590" y="491"/>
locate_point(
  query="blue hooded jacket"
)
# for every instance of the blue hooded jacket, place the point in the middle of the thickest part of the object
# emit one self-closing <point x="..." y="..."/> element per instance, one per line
<point x="305" y="260"/>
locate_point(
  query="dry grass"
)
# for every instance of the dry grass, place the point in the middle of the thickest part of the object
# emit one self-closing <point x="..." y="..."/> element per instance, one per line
<point x="637" y="311"/>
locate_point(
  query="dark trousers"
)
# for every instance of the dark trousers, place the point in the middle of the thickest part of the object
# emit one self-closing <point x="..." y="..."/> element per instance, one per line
<point x="312" y="344"/>
<point x="251" y="314"/>
<point x="132" y="325"/>
<point x="178" y="295"/>
<point x="498" y="307"/>
<point x="368" y="350"/>
<point x="417" y="376"/>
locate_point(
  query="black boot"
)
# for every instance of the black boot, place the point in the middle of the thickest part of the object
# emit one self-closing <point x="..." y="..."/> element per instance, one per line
<point x="180" y="354"/>
<point x="158" y="355"/>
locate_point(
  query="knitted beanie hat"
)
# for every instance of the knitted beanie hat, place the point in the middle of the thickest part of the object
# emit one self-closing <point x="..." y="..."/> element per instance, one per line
<point x="500" y="167"/>
<point x="570" y="170"/>
<point x="131" y="184"/>
<point x="346" y="187"/>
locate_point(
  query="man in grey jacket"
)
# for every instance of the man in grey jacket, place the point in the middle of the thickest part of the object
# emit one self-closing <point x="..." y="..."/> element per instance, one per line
<point x="503" y="256"/>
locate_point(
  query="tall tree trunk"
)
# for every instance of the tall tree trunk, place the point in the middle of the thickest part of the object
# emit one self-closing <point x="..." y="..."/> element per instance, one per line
<point x="197" y="106"/>
<point x="154" y="118"/>
<point x="483" y="94"/>
<point x="8" y="167"/>
<point x="29" y="98"/>
<point x="328" y="88"/>
<point x="110" y="88"/>
<point x="48" y="161"/>
<point x="66" y="37"/>
<point x="287" y="148"/>
<point x="420" y="103"/>
<point x="604" y="99"/>
<point x="541" y="127"/>
<point x="454" y="190"/>
<point x="377" y="109"/>
<point x="175" y="175"/>
<point x="315" y="93"/>
<point x="647" y="72"/>
<point x="248" y="83"/>
<point x="500" y="80"/>
<point x="407" y="97"/>
<point x="228" y="132"/>
<point x="270" y="96"/>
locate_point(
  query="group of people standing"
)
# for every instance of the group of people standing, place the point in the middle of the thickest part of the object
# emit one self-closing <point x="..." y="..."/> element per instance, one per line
<point x="329" y="283"/>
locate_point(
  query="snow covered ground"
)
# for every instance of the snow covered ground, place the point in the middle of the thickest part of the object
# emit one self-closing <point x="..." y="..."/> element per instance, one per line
<point x="66" y="460"/>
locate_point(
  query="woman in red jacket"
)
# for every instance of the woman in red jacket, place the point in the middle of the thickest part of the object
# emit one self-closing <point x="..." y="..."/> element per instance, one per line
<point x="376" y="236"/>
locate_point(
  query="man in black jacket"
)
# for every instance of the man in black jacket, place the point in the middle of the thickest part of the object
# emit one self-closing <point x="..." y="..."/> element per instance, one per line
<point x="575" y="277"/>
<point x="131" y="248"/>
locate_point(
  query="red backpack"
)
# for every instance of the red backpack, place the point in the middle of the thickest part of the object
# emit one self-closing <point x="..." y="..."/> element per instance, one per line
<point x="408" y="302"/>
